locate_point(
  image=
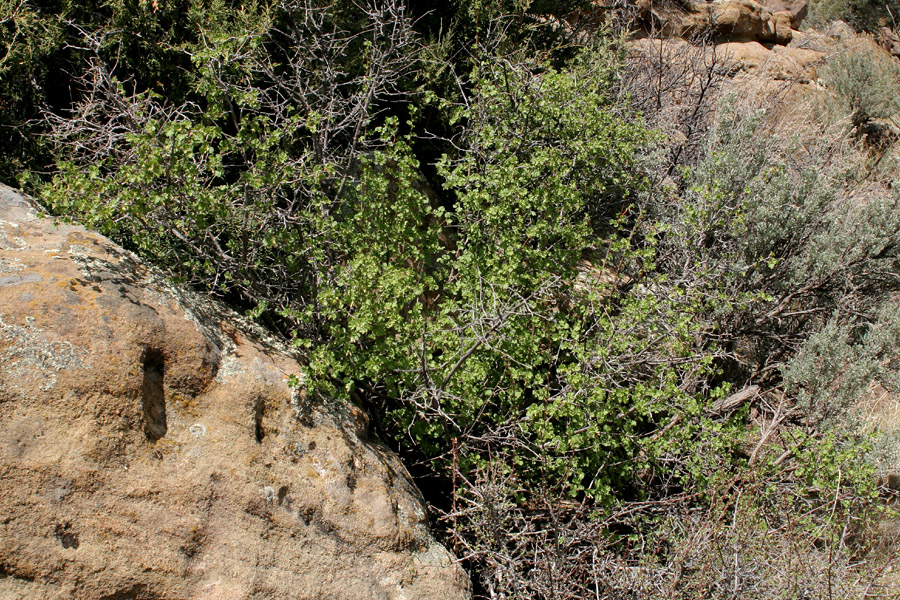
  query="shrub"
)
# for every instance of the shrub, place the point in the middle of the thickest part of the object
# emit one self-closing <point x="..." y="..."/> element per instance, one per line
<point x="27" y="38"/>
<point x="780" y="236"/>
<point x="865" y="15"/>
<point x="229" y="189"/>
<point x="761" y="534"/>
<point x="837" y="365"/>
<point x="864" y="83"/>
<point x="316" y="218"/>
<point x="511" y="360"/>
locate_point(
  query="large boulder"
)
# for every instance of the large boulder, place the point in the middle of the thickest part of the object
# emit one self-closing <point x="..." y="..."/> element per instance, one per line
<point x="747" y="20"/>
<point x="151" y="448"/>
<point x="797" y="9"/>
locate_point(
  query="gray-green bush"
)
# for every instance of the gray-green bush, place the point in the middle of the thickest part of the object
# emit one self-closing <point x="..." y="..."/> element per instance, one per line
<point x="787" y="233"/>
<point x="864" y="84"/>
<point x="865" y="15"/>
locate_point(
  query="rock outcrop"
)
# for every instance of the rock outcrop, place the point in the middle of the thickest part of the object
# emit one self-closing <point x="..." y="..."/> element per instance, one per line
<point x="723" y="20"/>
<point x="797" y="9"/>
<point x="151" y="448"/>
<point x="749" y="21"/>
<point x="780" y="63"/>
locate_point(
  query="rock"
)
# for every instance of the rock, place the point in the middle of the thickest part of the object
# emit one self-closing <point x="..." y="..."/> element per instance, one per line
<point x="152" y="449"/>
<point x="738" y="20"/>
<point x="746" y="56"/>
<point x="841" y="30"/>
<point x="890" y="41"/>
<point x="798" y="64"/>
<point x="724" y="20"/>
<point x="781" y="31"/>
<point x="780" y="63"/>
<point x="747" y="20"/>
<point x="798" y="9"/>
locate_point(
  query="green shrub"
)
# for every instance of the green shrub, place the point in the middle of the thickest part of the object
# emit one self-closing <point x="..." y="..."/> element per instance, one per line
<point x="458" y="323"/>
<point x="45" y="46"/>
<point x="510" y="351"/>
<point x="229" y="187"/>
<point x="27" y="38"/>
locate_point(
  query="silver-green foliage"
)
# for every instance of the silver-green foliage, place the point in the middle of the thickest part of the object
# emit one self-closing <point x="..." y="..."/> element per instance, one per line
<point x="797" y="258"/>
<point x="864" y="83"/>
<point x="866" y="15"/>
<point x="783" y="230"/>
<point x="837" y="365"/>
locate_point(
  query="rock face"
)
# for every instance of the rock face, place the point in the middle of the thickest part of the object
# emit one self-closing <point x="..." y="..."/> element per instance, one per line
<point x="724" y="20"/>
<point x="781" y="62"/>
<point x="747" y="21"/>
<point x="151" y="449"/>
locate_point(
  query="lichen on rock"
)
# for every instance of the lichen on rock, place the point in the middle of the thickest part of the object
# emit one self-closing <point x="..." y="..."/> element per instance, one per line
<point x="152" y="447"/>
